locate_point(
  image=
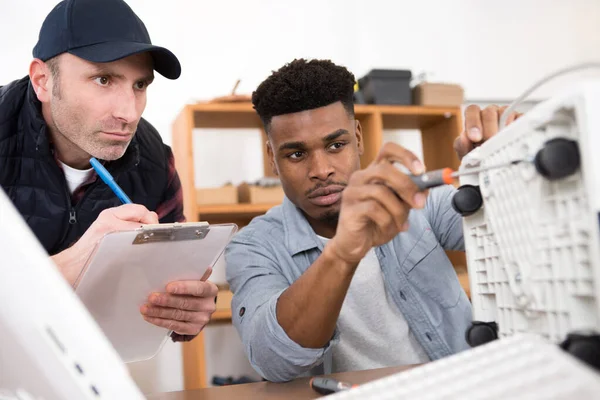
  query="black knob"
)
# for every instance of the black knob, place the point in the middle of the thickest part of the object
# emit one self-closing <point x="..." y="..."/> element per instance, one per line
<point x="585" y="347"/>
<point x="481" y="333"/>
<point x="467" y="200"/>
<point x="558" y="158"/>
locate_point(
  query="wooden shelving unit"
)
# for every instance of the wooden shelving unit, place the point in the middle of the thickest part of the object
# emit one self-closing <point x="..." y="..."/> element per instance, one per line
<point x="241" y="214"/>
<point x="439" y="127"/>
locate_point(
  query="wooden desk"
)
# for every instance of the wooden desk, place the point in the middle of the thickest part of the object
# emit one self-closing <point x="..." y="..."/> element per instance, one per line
<point x="294" y="390"/>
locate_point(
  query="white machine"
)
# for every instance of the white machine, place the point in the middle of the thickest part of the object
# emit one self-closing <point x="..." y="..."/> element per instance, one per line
<point x="532" y="238"/>
<point x="533" y="249"/>
<point x="50" y="347"/>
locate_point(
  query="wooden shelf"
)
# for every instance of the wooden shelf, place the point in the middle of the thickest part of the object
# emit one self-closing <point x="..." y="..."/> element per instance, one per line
<point x="242" y="115"/>
<point x="233" y="210"/>
<point x="239" y="214"/>
<point x="221" y="316"/>
<point x="223" y="312"/>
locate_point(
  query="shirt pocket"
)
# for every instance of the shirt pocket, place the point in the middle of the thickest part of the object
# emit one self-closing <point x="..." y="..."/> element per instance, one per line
<point x="429" y="270"/>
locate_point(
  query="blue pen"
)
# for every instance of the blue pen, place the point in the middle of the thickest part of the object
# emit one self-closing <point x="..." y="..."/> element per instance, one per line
<point x="109" y="180"/>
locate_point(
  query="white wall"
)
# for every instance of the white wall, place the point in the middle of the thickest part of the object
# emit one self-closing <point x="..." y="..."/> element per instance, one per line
<point x="495" y="49"/>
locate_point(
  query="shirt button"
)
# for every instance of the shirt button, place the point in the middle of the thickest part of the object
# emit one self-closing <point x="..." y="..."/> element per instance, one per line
<point x="402" y="295"/>
<point x="242" y="311"/>
<point x="428" y="336"/>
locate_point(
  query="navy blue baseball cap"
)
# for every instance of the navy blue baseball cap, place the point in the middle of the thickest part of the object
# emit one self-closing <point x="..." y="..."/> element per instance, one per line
<point x="100" y="31"/>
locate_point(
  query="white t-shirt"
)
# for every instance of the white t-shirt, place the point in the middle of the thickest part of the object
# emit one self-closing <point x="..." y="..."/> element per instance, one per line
<point x="75" y="177"/>
<point x="373" y="331"/>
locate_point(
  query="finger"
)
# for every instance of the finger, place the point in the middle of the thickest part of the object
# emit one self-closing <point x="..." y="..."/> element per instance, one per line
<point x="512" y="117"/>
<point x="489" y="119"/>
<point x="175" y="314"/>
<point x="392" y="203"/>
<point x="117" y="224"/>
<point x="193" y="288"/>
<point x="150" y="218"/>
<point x="462" y="146"/>
<point x="120" y="225"/>
<point x="182" y="328"/>
<point x="501" y="111"/>
<point x="393" y="152"/>
<point x="373" y="211"/>
<point x="130" y="212"/>
<point x="392" y="177"/>
<point x="102" y="227"/>
<point x="473" y="124"/>
<point x="190" y="303"/>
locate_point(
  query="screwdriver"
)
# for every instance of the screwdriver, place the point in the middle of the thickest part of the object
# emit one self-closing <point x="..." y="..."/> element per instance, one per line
<point x="446" y="176"/>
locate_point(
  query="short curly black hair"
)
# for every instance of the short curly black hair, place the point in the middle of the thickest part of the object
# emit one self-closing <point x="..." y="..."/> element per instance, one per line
<point x="303" y="85"/>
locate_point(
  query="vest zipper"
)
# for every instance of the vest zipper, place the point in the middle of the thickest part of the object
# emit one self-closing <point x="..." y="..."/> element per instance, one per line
<point x="74" y="209"/>
<point x="72" y="216"/>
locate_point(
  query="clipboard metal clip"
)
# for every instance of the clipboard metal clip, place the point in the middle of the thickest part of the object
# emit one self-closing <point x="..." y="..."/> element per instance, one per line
<point x="173" y="233"/>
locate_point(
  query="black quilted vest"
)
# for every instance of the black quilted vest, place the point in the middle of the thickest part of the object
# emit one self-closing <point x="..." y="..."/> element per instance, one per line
<point x="35" y="183"/>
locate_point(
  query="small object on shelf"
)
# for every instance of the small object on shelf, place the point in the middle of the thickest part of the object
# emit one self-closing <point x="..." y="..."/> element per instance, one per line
<point x="386" y="86"/>
<point x="233" y="97"/>
<point x="222" y="195"/>
<point x="438" y="94"/>
<point x="359" y="97"/>
<point x="263" y="191"/>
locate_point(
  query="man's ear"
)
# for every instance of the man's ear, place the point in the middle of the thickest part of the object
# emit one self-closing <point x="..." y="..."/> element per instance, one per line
<point x="41" y="80"/>
<point x="359" y="137"/>
<point x="271" y="158"/>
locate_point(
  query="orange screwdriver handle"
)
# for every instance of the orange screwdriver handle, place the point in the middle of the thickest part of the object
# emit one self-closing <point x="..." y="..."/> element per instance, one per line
<point x="432" y="179"/>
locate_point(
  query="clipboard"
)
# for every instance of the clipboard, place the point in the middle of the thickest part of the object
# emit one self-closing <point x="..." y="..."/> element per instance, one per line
<point x="126" y="266"/>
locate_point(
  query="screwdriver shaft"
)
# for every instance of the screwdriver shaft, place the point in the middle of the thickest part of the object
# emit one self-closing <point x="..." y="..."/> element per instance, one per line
<point x="446" y="176"/>
<point x="478" y="170"/>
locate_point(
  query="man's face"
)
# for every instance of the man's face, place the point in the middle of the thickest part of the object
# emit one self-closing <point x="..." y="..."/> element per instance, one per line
<point x="314" y="153"/>
<point x="97" y="106"/>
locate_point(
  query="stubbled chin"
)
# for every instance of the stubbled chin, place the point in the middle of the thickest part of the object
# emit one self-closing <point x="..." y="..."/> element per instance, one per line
<point x="325" y="212"/>
<point x="111" y="152"/>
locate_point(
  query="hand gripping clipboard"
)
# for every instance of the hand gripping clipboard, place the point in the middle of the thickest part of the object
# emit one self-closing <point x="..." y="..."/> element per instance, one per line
<point x="127" y="266"/>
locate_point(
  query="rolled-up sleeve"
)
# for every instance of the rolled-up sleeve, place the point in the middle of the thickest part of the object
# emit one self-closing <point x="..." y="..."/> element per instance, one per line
<point x="446" y="223"/>
<point x="256" y="280"/>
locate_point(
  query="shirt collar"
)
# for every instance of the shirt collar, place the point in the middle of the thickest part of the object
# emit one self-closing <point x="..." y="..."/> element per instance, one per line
<point x="299" y="235"/>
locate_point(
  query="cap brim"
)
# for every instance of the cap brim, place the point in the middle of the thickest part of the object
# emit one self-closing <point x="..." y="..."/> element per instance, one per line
<point x="165" y="62"/>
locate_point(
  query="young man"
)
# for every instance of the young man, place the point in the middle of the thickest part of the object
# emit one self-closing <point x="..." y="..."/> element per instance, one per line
<point x="350" y="271"/>
<point x="84" y="97"/>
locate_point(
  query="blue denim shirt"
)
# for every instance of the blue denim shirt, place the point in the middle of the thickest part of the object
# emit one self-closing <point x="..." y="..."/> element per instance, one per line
<point x="275" y="249"/>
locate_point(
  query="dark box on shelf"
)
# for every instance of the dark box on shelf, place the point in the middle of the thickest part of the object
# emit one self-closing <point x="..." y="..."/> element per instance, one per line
<point x="386" y="86"/>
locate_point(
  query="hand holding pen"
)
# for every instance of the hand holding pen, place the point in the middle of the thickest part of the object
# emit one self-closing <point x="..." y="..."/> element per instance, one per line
<point x="125" y="217"/>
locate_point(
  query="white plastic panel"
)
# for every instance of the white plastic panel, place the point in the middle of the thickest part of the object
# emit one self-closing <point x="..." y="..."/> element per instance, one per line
<point x="533" y="248"/>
